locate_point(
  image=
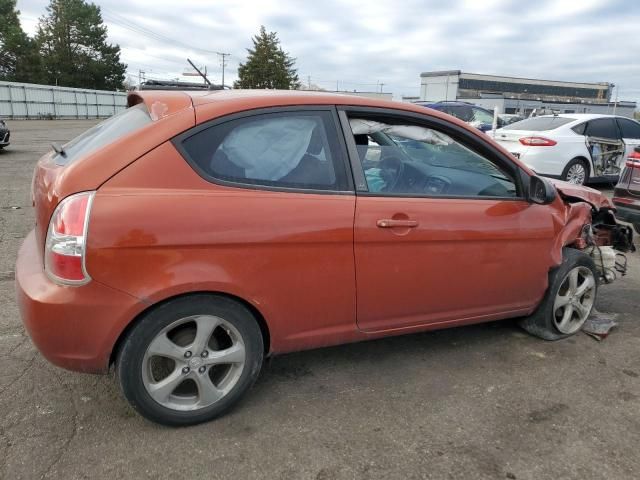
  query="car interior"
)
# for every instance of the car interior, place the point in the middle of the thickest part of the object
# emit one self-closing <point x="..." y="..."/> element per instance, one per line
<point x="408" y="159"/>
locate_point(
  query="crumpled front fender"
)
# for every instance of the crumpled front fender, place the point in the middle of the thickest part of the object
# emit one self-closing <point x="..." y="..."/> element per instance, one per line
<point x="568" y="221"/>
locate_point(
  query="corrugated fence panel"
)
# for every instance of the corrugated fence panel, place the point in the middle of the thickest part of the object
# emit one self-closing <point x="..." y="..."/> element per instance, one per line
<point x="27" y="100"/>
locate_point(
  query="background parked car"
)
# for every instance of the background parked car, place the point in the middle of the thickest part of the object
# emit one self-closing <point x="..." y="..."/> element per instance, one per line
<point x="479" y="117"/>
<point x="4" y="134"/>
<point x="575" y="147"/>
<point x="508" y="118"/>
<point x="626" y="196"/>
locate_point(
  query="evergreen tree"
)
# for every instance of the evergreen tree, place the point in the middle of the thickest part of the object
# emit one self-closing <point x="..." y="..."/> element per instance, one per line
<point x="267" y="65"/>
<point x="19" y="58"/>
<point x="72" y="39"/>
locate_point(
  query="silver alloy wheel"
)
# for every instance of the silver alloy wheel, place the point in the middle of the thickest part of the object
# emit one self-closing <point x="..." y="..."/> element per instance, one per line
<point x="193" y="363"/>
<point x="574" y="300"/>
<point x="576" y="174"/>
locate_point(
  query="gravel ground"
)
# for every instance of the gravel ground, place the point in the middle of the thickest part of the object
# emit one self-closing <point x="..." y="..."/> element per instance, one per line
<point x="485" y="401"/>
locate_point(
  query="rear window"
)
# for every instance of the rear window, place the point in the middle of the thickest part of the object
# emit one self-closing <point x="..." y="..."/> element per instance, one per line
<point x="105" y="133"/>
<point x="539" y="124"/>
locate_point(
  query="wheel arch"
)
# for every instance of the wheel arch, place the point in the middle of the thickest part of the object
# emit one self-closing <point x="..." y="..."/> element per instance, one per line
<point x="259" y="317"/>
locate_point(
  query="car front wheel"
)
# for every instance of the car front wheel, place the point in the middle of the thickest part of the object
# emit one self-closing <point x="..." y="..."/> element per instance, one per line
<point x="572" y="291"/>
<point x="190" y="360"/>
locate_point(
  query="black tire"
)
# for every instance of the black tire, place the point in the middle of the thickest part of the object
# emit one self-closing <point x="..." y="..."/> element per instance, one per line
<point x="541" y="322"/>
<point x="576" y="161"/>
<point x="129" y="362"/>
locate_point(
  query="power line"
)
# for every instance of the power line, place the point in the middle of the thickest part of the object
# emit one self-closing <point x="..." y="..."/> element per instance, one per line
<point x="130" y="25"/>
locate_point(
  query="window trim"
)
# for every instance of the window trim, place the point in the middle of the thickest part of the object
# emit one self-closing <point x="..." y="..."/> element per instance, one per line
<point x="342" y="162"/>
<point x="454" y="131"/>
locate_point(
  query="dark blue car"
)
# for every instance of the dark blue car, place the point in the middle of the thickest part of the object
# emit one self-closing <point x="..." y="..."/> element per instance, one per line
<point x="479" y="117"/>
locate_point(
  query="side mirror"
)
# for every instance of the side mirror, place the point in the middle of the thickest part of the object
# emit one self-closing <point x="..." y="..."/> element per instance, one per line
<point x="541" y="191"/>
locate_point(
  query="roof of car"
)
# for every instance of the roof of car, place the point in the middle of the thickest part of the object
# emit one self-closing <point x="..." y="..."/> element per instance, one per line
<point x="227" y="101"/>
<point x="581" y="116"/>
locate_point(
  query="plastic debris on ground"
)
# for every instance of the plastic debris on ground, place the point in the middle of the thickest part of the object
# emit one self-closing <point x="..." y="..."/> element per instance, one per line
<point x="599" y="324"/>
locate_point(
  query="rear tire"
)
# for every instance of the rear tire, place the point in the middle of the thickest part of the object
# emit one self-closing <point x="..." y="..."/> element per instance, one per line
<point x="576" y="172"/>
<point x="573" y="288"/>
<point x="190" y="360"/>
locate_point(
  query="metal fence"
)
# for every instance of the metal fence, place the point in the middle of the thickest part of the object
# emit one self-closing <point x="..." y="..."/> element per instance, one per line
<point x="31" y="101"/>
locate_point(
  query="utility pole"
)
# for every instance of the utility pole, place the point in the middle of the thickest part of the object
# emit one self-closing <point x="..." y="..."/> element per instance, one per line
<point x="381" y="85"/>
<point x="203" y="75"/>
<point x="140" y="77"/>
<point x="309" y="82"/>
<point x="223" y="63"/>
<point x="615" y="103"/>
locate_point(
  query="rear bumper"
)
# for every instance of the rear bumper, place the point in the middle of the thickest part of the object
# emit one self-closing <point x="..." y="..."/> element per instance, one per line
<point x="627" y="214"/>
<point x="73" y="327"/>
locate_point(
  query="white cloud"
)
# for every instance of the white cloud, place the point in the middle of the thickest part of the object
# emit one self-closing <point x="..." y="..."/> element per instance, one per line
<point x="360" y="44"/>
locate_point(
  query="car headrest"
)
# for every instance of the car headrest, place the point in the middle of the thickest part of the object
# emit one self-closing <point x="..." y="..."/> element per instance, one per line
<point x="315" y="143"/>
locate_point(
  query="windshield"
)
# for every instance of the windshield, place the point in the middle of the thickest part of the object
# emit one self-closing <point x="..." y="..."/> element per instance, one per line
<point x="539" y="124"/>
<point x="104" y="133"/>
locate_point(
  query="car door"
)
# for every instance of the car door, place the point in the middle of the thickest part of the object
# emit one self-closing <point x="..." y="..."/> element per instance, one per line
<point x="630" y="179"/>
<point x="630" y="131"/>
<point x="280" y="225"/>
<point x="453" y="239"/>
<point x="605" y="146"/>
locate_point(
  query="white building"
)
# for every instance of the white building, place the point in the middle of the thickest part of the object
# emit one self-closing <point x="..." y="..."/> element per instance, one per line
<point x="521" y="95"/>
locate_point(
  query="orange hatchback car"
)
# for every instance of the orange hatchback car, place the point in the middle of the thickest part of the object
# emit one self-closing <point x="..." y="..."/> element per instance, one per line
<point x="192" y="235"/>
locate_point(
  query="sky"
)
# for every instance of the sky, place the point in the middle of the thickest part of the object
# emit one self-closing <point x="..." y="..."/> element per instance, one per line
<point x="381" y="45"/>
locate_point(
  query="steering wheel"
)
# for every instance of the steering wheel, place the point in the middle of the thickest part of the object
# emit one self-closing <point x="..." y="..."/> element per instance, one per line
<point x="391" y="169"/>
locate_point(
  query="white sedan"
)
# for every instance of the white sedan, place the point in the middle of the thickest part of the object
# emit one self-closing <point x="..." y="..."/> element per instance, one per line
<point x="575" y="147"/>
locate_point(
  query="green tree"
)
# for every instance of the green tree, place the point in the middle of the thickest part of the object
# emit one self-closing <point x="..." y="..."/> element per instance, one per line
<point x="73" y="44"/>
<point x="19" y="58"/>
<point x="267" y="65"/>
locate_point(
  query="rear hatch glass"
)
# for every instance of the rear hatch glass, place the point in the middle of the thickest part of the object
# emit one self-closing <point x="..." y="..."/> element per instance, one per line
<point x="104" y="133"/>
<point x="539" y="124"/>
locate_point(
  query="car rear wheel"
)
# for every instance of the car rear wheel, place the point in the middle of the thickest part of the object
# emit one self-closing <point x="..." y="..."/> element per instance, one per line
<point x="190" y="360"/>
<point x="576" y="172"/>
<point x="569" y="299"/>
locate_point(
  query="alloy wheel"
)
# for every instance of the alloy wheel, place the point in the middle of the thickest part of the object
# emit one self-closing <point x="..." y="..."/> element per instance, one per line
<point x="576" y="174"/>
<point x="574" y="300"/>
<point x="193" y="362"/>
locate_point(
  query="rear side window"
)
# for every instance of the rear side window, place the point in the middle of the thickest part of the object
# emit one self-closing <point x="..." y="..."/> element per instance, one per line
<point x="104" y="133"/>
<point x="602" y="128"/>
<point x="629" y="128"/>
<point x="579" y="129"/>
<point x="287" y="150"/>
<point x="539" y="124"/>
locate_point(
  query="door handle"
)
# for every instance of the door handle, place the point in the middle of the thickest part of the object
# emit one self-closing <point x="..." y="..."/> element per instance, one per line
<point x="390" y="223"/>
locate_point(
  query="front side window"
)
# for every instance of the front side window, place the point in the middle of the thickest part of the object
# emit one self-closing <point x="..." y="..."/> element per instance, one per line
<point x="629" y="128"/>
<point x="409" y="159"/>
<point x="290" y="150"/>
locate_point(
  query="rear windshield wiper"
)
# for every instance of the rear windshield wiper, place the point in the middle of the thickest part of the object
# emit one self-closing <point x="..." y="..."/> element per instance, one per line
<point x="58" y="149"/>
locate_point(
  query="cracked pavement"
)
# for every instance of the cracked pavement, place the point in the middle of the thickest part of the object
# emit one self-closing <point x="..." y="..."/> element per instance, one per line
<point x="479" y="402"/>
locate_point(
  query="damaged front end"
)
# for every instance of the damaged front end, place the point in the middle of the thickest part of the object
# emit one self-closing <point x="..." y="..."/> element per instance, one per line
<point x="590" y="226"/>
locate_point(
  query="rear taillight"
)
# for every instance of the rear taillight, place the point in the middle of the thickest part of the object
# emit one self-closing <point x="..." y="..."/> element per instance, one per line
<point x="633" y="160"/>
<point x="65" y="248"/>
<point x="537" y="142"/>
